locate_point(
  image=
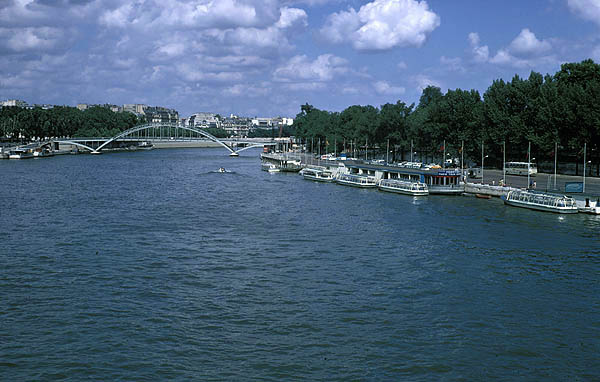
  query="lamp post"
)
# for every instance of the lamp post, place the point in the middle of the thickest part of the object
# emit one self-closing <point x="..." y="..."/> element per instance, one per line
<point x="482" y="158"/>
<point x="528" y="162"/>
<point x="462" y="160"/>
<point x="444" y="157"/>
<point x="584" y="149"/>
<point x="555" y="159"/>
<point x="481" y="162"/>
<point x="504" y="163"/>
<point x="387" y="153"/>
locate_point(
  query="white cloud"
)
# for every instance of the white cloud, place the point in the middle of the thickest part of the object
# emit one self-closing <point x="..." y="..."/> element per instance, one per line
<point x="269" y="37"/>
<point x="453" y="64"/>
<point x="305" y="86"/>
<point x="474" y="39"/>
<point x="291" y="17"/>
<point x="42" y="39"/>
<point x="246" y="90"/>
<point x="193" y="73"/>
<point x="504" y="58"/>
<point x="422" y="81"/>
<point x="221" y="14"/>
<point x="480" y="53"/>
<point x="350" y="90"/>
<point x="382" y="25"/>
<point x="525" y="51"/>
<point x="311" y="2"/>
<point x="118" y="17"/>
<point x="301" y="69"/>
<point x="527" y="44"/>
<point x="586" y="9"/>
<point x="383" y="87"/>
<point x="596" y="54"/>
<point x="402" y="65"/>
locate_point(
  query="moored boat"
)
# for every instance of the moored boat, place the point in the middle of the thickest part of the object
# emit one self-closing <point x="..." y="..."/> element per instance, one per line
<point x="269" y="167"/>
<point x="356" y="180"/>
<point x="20" y="154"/>
<point x="317" y="174"/>
<point x="540" y="201"/>
<point x="43" y="152"/>
<point x="403" y="187"/>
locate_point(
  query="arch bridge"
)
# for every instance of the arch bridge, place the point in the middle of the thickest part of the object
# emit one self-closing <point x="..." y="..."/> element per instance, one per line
<point x="233" y="150"/>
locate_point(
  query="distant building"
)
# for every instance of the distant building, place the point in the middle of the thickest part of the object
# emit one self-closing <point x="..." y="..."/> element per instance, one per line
<point x="204" y="120"/>
<point x="262" y="123"/>
<point x="158" y="114"/>
<point x="44" y="106"/>
<point x="113" y="108"/>
<point x="237" y="126"/>
<point x="135" y="108"/>
<point x="14" y="102"/>
<point x="267" y="123"/>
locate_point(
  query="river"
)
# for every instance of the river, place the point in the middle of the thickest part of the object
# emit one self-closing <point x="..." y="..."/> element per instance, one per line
<point x="153" y="266"/>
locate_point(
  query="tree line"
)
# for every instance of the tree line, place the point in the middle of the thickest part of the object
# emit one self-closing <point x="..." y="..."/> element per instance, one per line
<point x="26" y="124"/>
<point x="560" y="110"/>
<point x="18" y="123"/>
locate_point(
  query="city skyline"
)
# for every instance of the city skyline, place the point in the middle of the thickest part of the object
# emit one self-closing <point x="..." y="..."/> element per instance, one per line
<point x="266" y="58"/>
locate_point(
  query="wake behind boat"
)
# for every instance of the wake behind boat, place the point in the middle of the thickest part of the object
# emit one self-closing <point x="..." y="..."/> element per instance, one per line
<point x="542" y="202"/>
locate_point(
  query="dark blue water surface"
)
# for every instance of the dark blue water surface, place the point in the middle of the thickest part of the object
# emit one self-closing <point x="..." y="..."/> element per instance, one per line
<point x="151" y="266"/>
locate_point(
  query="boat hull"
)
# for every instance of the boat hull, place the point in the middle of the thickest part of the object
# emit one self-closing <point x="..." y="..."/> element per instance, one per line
<point x="354" y="184"/>
<point x="270" y="168"/>
<point x="402" y="191"/>
<point x="20" y="156"/>
<point x="318" y="178"/>
<point x="536" y="207"/>
<point x="446" y="190"/>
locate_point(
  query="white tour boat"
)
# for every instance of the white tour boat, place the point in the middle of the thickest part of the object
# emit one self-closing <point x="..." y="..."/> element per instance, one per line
<point x="317" y="174"/>
<point x="404" y="187"/>
<point x="20" y="154"/>
<point x="357" y="180"/>
<point x="542" y="202"/>
<point x="269" y="167"/>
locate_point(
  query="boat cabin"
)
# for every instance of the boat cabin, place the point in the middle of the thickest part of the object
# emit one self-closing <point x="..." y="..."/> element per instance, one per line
<point x="438" y="180"/>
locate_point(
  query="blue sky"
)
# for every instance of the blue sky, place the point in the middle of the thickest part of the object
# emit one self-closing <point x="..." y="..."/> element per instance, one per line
<point x="267" y="57"/>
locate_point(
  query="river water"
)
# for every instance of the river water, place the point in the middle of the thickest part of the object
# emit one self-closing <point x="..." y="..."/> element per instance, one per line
<point x="151" y="266"/>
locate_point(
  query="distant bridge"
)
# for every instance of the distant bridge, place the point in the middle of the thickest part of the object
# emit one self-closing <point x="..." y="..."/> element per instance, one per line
<point x="151" y="127"/>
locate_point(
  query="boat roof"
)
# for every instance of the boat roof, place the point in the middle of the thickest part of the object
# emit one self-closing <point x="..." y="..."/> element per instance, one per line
<point x="539" y="193"/>
<point x="403" y="170"/>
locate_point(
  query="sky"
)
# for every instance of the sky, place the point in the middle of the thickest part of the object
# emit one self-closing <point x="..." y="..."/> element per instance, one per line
<point x="266" y="58"/>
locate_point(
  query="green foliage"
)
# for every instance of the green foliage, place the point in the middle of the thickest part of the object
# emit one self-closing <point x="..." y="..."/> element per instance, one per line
<point x="563" y="108"/>
<point x="63" y="121"/>
<point x="287" y="131"/>
<point x="216" y="132"/>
